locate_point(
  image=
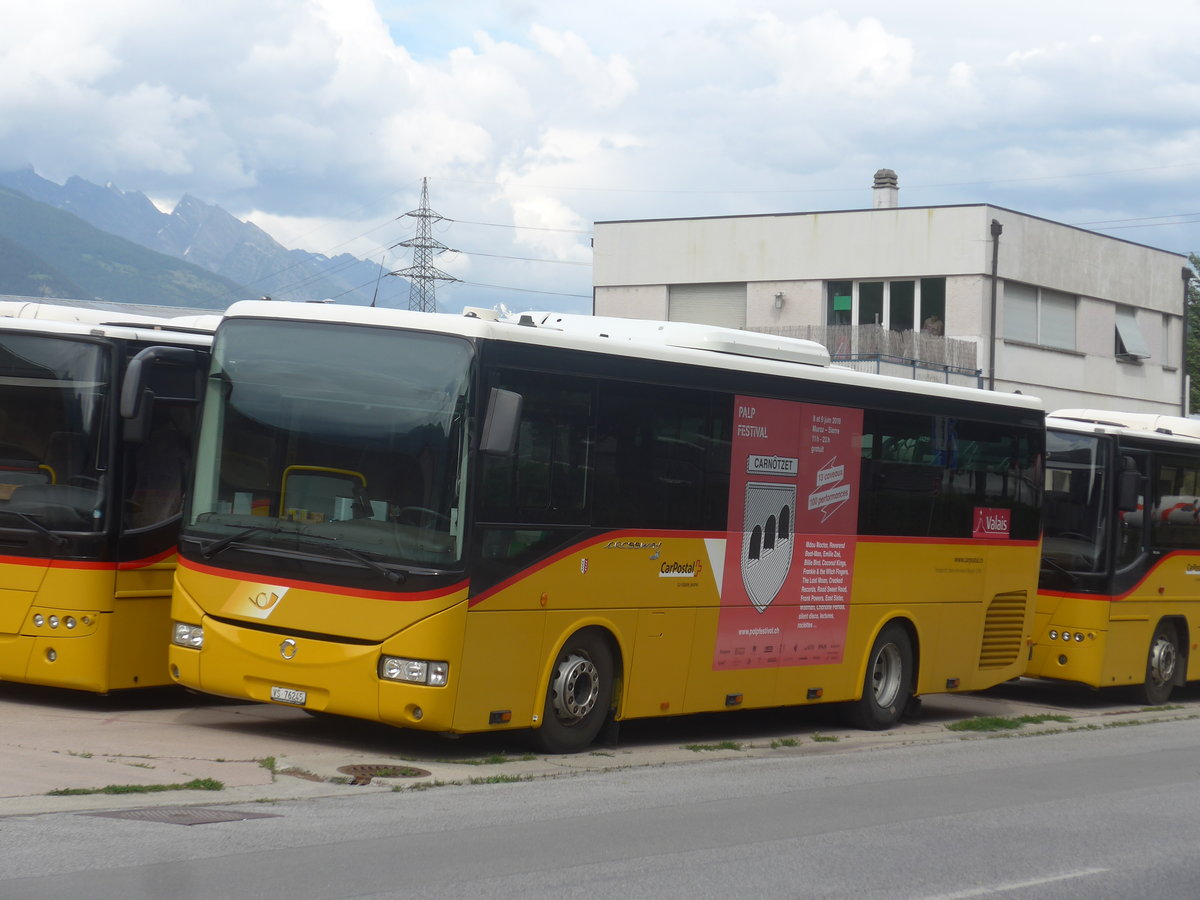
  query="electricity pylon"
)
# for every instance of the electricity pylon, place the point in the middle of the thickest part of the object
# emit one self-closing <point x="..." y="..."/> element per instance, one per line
<point x="423" y="275"/>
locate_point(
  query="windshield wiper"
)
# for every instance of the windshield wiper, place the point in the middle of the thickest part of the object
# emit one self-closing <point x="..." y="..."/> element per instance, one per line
<point x="395" y="576"/>
<point x="390" y="574"/>
<point x="212" y="548"/>
<point x="58" y="539"/>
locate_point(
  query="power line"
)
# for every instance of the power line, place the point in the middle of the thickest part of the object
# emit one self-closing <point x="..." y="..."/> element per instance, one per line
<point x="1146" y="225"/>
<point x="501" y="287"/>
<point x="564" y="262"/>
<point x="521" y="227"/>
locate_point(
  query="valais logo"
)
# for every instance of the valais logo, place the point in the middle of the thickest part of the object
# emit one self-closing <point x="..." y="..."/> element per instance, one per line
<point x="992" y="523"/>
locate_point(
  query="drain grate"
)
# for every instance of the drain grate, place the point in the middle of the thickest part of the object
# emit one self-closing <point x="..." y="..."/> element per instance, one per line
<point x="183" y="815"/>
<point x="362" y="774"/>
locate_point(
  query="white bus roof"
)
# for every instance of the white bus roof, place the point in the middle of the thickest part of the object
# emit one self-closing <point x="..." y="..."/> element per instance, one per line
<point x="687" y="343"/>
<point x="128" y="321"/>
<point x="1128" y="422"/>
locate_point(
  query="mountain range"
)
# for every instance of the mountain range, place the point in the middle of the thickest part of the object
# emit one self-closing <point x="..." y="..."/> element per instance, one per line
<point x="79" y="240"/>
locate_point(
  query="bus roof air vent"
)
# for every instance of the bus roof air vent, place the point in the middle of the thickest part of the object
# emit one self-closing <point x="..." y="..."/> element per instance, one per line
<point x="687" y="335"/>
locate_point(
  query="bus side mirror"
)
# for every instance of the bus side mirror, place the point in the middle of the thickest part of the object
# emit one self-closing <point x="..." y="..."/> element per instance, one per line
<point x="500" y="427"/>
<point x="137" y="374"/>
<point x="1129" y="485"/>
<point x="141" y="385"/>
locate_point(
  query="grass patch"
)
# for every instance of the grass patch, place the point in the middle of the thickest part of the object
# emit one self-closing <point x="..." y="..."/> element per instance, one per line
<point x="1004" y="723"/>
<point x="1167" y="708"/>
<point x="784" y="742"/>
<point x="268" y="763"/>
<point x="196" y="784"/>
<point x="495" y="759"/>
<point x="825" y="738"/>
<point x="422" y="785"/>
<point x="400" y="772"/>
<point x="500" y="779"/>
<point x="703" y="748"/>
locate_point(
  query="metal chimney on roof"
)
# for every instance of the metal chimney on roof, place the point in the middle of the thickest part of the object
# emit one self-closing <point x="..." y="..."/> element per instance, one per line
<point x="886" y="190"/>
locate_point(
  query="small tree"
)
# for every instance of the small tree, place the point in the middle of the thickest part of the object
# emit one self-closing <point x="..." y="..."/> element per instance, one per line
<point x="1192" y="364"/>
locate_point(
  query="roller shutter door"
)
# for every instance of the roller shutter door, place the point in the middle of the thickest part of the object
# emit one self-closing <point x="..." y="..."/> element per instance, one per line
<point x="708" y="304"/>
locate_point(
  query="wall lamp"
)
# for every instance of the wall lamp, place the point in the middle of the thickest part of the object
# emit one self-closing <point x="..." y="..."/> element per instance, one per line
<point x="779" y="299"/>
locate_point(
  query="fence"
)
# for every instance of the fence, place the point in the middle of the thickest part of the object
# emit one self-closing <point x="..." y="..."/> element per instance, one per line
<point x="905" y="354"/>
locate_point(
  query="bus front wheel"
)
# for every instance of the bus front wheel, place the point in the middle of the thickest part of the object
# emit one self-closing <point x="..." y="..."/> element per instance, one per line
<point x="578" y="697"/>
<point x="1162" y="666"/>
<point x="888" y="683"/>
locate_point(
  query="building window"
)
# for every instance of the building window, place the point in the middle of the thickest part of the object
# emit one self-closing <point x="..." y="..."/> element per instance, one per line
<point x="1039" y="316"/>
<point x="900" y="305"/>
<point x="1130" y="342"/>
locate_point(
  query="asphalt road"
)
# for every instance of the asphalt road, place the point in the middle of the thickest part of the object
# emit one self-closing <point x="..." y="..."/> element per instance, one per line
<point x="51" y="741"/>
<point x="1086" y="811"/>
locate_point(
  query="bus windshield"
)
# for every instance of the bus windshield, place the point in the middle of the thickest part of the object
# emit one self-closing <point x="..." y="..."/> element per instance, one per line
<point x="53" y="397"/>
<point x="1074" y="506"/>
<point x="343" y="443"/>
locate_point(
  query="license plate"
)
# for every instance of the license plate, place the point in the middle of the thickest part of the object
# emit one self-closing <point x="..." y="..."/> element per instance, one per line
<point x="289" y="695"/>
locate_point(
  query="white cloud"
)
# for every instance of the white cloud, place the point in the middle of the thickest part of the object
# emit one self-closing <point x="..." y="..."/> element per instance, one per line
<point x="829" y="53"/>
<point x="552" y="115"/>
<point x="604" y="82"/>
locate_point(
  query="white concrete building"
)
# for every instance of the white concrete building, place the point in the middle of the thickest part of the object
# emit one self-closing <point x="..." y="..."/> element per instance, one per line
<point x="1075" y="317"/>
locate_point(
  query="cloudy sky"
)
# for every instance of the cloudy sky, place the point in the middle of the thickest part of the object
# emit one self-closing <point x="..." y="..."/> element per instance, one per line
<point x="318" y="119"/>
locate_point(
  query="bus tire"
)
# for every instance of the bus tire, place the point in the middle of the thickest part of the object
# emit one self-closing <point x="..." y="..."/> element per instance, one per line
<point x="888" y="682"/>
<point x="1162" y="666"/>
<point x="579" y="695"/>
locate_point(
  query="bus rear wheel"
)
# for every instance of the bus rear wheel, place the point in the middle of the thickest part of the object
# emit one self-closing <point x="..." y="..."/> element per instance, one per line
<point x="888" y="683"/>
<point x="578" y="697"/>
<point x="1162" y="666"/>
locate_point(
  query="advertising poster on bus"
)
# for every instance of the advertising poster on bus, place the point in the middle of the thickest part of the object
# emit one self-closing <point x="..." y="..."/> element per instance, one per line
<point x="793" y="524"/>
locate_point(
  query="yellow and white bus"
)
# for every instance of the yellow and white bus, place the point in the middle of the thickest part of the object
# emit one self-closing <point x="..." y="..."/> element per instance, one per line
<point x="546" y="522"/>
<point x="90" y="502"/>
<point x="1120" y="590"/>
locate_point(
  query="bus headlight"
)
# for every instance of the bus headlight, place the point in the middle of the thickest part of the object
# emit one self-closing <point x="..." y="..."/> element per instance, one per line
<point x="187" y="635"/>
<point x="414" y="671"/>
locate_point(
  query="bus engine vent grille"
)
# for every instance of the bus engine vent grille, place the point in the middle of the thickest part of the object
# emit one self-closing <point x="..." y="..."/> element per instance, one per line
<point x="1003" y="630"/>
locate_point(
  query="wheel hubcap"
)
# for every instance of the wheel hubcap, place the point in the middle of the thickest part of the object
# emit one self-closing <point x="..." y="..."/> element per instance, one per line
<point x="885" y="675"/>
<point x="1162" y="661"/>
<point x="576" y="688"/>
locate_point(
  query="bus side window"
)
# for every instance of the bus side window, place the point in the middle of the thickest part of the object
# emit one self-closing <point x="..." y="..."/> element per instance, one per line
<point x="661" y="461"/>
<point x="994" y="466"/>
<point x="1175" y="520"/>
<point x="901" y="474"/>
<point x="548" y="477"/>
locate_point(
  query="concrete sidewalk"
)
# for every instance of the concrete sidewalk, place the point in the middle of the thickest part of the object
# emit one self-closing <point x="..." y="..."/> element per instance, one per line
<point x="55" y="740"/>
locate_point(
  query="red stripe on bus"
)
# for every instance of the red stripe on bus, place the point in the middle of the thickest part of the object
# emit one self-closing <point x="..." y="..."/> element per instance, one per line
<point x="606" y="538"/>
<point x="87" y="565"/>
<point x="1117" y="598"/>
<point x="291" y="583"/>
<point x="612" y="536"/>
